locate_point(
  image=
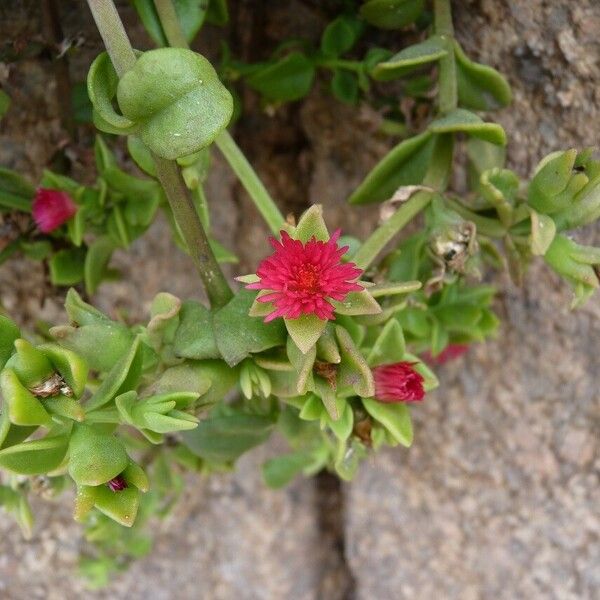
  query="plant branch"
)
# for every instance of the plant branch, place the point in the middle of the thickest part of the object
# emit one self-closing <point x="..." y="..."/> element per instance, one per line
<point x="251" y="182"/>
<point x="167" y="15"/>
<point x="377" y="241"/>
<point x="448" y="93"/>
<point x="123" y="58"/>
<point x="226" y="144"/>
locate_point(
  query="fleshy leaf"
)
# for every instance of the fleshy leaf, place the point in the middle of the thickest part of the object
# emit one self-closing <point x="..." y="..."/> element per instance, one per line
<point x="194" y="337"/>
<point x="432" y="49"/>
<point x="461" y="120"/>
<point x="311" y="224"/>
<point x="543" y="231"/>
<point x="391" y="14"/>
<point x="480" y="87"/>
<point x="95" y="457"/>
<point x="394" y="417"/>
<point x="36" y="456"/>
<point x="353" y="371"/>
<point x="405" y="164"/>
<point x="389" y="347"/>
<point x="305" y="330"/>
<point x="238" y="335"/>
<point x="358" y="303"/>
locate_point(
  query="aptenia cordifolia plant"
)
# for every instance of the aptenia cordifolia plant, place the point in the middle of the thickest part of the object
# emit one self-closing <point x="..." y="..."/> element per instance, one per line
<point x="332" y="338"/>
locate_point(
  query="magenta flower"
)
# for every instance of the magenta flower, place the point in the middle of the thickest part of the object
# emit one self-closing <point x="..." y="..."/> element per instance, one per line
<point x="450" y="352"/>
<point x="398" y="382"/>
<point x="302" y="277"/>
<point x="52" y="208"/>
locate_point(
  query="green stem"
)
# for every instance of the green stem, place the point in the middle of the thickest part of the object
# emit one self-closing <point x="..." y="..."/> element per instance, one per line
<point x="170" y="23"/>
<point x="226" y="144"/>
<point x="251" y="182"/>
<point x="169" y="175"/>
<point x="448" y="93"/>
<point x="485" y="225"/>
<point x="123" y="58"/>
<point x="377" y="241"/>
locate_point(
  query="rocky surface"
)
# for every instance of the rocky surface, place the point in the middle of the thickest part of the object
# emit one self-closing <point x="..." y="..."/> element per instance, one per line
<point x="499" y="496"/>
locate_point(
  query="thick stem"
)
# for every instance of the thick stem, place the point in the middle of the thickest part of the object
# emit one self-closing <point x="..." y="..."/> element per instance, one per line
<point x="123" y="58"/>
<point x="251" y="182"/>
<point x="226" y="144"/>
<point x="448" y="93"/>
<point x="186" y="216"/>
<point x="377" y="241"/>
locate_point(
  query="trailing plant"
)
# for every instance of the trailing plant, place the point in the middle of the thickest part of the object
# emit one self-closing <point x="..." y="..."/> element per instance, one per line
<point x="332" y="338"/>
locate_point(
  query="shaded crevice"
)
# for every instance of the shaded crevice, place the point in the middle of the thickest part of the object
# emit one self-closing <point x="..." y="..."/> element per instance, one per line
<point x="336" y="581"/>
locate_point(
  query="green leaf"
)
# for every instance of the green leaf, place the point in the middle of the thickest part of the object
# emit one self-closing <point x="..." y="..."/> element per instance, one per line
<point x="303" y="365"/>
<point x="66" y="266"/>
<point x="354" y="371"/>
<point x="96" y="262"/>
<point x="15" y="191"/>
<point x="95" y="457"/>
<point x="405" y="164"/>
<point x="9" y="332"/>
<point x="222" y="438"/>
<point x="342" y="427"/>
<point x="432" y="49"/>
<point x="194" y="337"/>
<point x="211" y="380"/>
<point x="22" y="406"/>
<point x="102" y="84"/>
<point x="389" y="347"/>
<point x="141" y="155"/>
<point x="357" y="303"/>
<point x="482" y="156"/>
<point x="305" y="330"/>
<point x="281" y="470"/>
<point x="394" y="417"/>
<point x="238" y="335"/>
<point x="71" y="367"/>
<point x="312" y="224"/>
<point x="36" y="456"/>
<point x="543" y="231"/>
<point x="288" y="79"/>
<point x="479" y="87"/>
<point x="344" y="86"/>
<point x="121" y="507"/>
<point x="121" y="378"/>
<point x="391" y="14"/>
<point x="340" y="35"/>
<point x="461" y="120"/>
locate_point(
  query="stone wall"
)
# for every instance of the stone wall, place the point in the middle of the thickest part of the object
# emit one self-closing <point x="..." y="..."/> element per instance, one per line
<point x="499" y="496"/>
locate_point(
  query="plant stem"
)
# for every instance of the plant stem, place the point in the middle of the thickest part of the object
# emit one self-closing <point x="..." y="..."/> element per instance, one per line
<point x="186" y="216"/>
<point x="123" y="58"/>
<point x="251" y="182"/>
<point x="226" y="144"/>
<point x="167" y="15"/>
<point x="375" y="243"/>
<point x="448" y="93"/>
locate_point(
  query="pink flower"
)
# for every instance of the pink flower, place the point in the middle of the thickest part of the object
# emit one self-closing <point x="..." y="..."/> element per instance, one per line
<point x="450" y="352"/>
<point x="52" y="208"/>
<point x="302" y="277"/>
<point x="398" y="382"/>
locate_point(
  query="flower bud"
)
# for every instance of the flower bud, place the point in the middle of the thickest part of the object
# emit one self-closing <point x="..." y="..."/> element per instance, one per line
<point x="398" y="382"/>
<point x="52" y="208"/>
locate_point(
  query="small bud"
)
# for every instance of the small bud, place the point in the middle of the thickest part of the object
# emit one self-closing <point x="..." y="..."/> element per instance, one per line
<point x="52" y="208"/>
<point x="398" y="382"/>
<point x="117" y="484"/>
